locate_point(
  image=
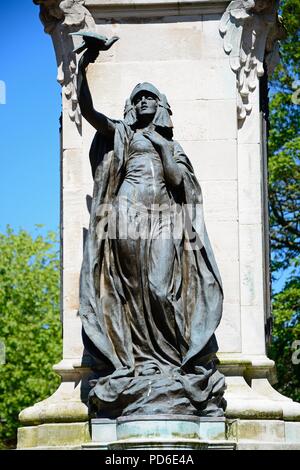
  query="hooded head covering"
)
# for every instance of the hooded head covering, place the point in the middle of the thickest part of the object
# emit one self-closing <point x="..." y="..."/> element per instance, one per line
<point x="163" y="112"/>
<point x="145" y="86"/>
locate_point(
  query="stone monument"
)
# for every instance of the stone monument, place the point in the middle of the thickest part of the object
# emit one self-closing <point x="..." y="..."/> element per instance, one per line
<point x="208" y="57"/>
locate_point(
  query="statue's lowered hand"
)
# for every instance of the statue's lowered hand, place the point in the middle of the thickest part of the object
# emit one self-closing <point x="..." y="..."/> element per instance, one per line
<point x="94" y="43"/>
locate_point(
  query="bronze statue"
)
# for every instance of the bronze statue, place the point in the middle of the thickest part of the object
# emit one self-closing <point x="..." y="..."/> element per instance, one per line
<point x="150" y="291"/>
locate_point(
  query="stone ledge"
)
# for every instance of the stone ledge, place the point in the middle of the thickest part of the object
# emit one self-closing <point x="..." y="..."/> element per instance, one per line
<point x="54" y="411"/>
<point x="240" y="435"/>
<point x="253" y="431"/>
<point x="171" y="444"/>
<point x="136" y="8"/>
<point x="150" y="3"/>
<point x="266" y="446"/>
<point x="55" y="435"/>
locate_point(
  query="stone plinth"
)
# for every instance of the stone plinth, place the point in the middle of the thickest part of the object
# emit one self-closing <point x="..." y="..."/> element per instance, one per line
<point x="169" y="426"/>
<point x="167" y="432"/>
<point x="192" y="433"/>
<point x="191" y="50"/>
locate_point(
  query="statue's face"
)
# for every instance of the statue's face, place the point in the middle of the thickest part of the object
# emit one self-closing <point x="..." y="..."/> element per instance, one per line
<point x="145" y="104"/>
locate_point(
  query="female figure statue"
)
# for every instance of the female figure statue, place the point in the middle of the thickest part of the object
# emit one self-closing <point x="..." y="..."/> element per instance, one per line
<point x="150" y="291"/>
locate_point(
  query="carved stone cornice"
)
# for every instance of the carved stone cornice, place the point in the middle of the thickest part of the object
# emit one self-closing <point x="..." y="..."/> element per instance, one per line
<point x="60" y="18"/>
<point x="251" y="29"/>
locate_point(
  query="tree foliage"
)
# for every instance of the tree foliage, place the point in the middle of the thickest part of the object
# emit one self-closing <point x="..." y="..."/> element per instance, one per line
<point x="284" y="198"/>
<point x="284" y="146"/>
<point x="283" y="350"/>
<point x="30" y="328"/>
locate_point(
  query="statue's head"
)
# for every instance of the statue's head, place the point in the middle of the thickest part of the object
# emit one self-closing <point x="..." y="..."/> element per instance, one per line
<point x="147" y="103"/>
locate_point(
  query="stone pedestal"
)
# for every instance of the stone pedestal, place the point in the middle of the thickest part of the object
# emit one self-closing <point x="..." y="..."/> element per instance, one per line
<point x="159" y="432"/>
<point x="193" y="52"/>
<point x="192" y="433"/>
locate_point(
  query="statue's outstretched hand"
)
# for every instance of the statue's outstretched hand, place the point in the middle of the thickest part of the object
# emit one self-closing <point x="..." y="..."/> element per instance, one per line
<point x="92" y="44"/>
<point x="94" y="41"/>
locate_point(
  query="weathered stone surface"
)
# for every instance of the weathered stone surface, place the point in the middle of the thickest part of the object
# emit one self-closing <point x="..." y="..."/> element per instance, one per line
<point x="250" y="131"/>
<point x="208" y="157"/>
<point x="252" y="323"/>
<point x="249" y="190"/>
<point x="256" y="430"/>
<point x="220" y="200"/>
<point x="72" y="328"/>
<point x="158" y="427"/>
<point x="228" y="332"/>
<point x="53" y="435"/>
<point x="292" y="432"/>
<point x="203" y="77"/>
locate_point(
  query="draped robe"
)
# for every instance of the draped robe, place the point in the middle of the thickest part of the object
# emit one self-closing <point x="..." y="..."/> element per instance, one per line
<point x="177" y="375"/>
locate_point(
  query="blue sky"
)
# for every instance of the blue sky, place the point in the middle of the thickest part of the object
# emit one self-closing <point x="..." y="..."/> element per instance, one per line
<point x="29" y="121"/>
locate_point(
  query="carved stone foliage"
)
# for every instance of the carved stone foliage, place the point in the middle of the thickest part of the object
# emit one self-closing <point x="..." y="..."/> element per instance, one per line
<point x="251" y="29"/>
<point x="60" y="18"/>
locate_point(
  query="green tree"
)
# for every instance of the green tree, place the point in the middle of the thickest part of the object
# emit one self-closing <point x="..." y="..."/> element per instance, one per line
<point x="284" y="198"/>
<point x="30" y="328"/>
<point x="284" y="146"/>
<point x="286" y="307"/>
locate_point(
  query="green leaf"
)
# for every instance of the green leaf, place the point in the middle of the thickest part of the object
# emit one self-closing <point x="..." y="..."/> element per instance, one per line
<point x="29" y="299"/>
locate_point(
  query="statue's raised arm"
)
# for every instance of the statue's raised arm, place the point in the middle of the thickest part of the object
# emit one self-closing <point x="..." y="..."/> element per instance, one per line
<point x="92" y="44"/>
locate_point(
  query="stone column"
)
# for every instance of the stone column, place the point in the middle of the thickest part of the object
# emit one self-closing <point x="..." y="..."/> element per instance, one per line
<point x="250" y="31"/>
<point x="207" y="57"/>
